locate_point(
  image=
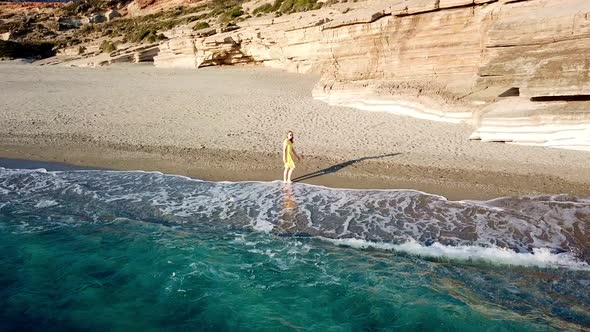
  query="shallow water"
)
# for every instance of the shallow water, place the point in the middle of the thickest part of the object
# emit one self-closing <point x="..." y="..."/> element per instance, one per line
<point x="133" y="250"/>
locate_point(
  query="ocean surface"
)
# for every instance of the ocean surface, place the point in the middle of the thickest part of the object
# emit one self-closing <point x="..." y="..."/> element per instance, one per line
<point x="100" y="250"/>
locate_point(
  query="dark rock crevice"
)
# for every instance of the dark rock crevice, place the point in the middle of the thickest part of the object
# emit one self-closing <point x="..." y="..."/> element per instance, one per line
<point x="561" y="98"/>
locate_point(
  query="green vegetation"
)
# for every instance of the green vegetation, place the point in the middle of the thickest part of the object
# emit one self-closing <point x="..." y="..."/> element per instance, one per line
<point x="14" y="50"/>
<point x="44" y="28"/>
<point x="81" y="49"/>
<point x="231" y="14"/>
<point x="140" y="29"/>
<point x="147" y="33"/>
<point x="154" y="37"/>
<point x="107" y="46"/>
<point x="288" y="6"/>
<point x="86" y="29"/>
<point x="145" y="28"/>
<point x="266" y="8"/>
<point x="148" y="28"/>
<point x="226" y="10"/>
<point x="219" y="7"/>
<point x="234" y="12"/>
<point x="90" y="6"/>
<point x="201" y="25"/>
<point x="276" y="5"/>
<point x="299" y="6"/>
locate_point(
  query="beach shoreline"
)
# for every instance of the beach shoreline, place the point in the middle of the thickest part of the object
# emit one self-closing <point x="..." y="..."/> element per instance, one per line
<point x="227" y="124"/>
<point x="237" y="166"/>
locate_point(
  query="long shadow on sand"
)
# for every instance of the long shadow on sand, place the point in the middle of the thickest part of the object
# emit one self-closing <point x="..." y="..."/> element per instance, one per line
<point x="337" y="167"/>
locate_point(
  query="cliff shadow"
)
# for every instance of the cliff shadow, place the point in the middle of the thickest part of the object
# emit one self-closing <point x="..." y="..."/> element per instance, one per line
<point x="337" y="167"/>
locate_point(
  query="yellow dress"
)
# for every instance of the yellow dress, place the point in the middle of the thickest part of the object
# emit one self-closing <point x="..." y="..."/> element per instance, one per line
<point x="289" y="155"/>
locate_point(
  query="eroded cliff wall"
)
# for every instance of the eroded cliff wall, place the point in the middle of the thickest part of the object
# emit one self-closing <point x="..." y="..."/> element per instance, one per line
<point x="517" y="70"/>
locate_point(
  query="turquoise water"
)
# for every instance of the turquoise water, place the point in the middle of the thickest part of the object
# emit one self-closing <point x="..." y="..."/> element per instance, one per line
<point x="98" y="250"/>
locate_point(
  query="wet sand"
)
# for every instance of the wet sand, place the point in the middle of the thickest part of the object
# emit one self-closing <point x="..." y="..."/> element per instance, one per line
<point x="229" y="123"/>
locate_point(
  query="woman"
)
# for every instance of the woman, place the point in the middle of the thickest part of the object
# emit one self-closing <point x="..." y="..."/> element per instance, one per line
<point x="288" y="153"/>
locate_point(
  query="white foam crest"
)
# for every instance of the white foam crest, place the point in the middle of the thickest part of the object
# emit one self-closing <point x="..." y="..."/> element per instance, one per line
<point x="388" y="216"/>
<point x="541" y="257"/>
<point x="22" y="171"/>
<point x="8" y="171"/>
<point x="46" y="203"/>
<point x="30" y="180"/>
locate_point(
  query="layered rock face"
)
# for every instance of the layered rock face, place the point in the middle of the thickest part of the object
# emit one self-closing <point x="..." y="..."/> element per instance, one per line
<point x="145" y="53"/>
<point x="536" y="55"/>
<point x="517" y="70"/>
<point x="92" y="57"/>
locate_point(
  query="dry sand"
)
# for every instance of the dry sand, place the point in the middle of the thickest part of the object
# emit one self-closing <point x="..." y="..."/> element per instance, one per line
<point x="229" y="123"/>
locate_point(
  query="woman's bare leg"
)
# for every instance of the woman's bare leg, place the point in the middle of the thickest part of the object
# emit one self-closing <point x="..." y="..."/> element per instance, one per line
<point x="285" y="174"/>
<point x="289" y="175"/>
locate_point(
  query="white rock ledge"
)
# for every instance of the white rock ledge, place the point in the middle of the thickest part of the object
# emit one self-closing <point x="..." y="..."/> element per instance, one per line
<point x="391" y="105"/>
<point x="520" y="121"/>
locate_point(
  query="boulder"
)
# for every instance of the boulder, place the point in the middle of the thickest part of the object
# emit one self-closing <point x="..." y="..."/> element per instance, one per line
<point x="97" y="18"/>
<point x="111" y="14"/>
<point x="66" y="22"/>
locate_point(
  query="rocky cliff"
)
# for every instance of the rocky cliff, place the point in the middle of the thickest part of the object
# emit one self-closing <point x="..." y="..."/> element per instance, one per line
<point x="517" y="70"/>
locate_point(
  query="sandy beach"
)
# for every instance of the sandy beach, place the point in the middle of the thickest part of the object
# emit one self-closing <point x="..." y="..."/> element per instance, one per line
<point x="228" y="123"/>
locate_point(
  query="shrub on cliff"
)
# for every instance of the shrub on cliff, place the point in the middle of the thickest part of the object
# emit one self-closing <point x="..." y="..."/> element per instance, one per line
<point x="319" y="5"/>
<point x="231" y="14"/>
<point x="107" y="47"/>
<point x="293" y="6"/>
<point x="235" y="12"/>
<point x="89" y="6"/>
<point x="136" y="36"/>
<point x="86" y="29"/>
<point x="276" y="5"/>
<point x="219" y="7"/>
<point x="286" y="6"/>
<point x="145" y="28"/>
<point x="147" y="33"/>
<point x="200" y="26"/>
<point x="305" y="5"/>
<point x="266" y="8"/>
<point x="154" y="37"/>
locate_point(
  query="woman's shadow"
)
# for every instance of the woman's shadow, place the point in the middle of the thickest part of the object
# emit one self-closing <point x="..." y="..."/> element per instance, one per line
<point x="337" y="167"/>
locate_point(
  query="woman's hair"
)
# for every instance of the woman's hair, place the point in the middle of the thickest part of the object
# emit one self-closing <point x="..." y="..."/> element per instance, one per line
<point x="290" y="132"/>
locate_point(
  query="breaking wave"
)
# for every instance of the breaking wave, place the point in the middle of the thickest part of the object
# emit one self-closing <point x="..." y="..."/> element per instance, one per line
<point x="543" y="231"/>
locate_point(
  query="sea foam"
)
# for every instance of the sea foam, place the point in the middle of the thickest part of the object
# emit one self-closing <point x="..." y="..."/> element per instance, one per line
<point x="540" y="257"/>
<point x="543" y="231"/>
